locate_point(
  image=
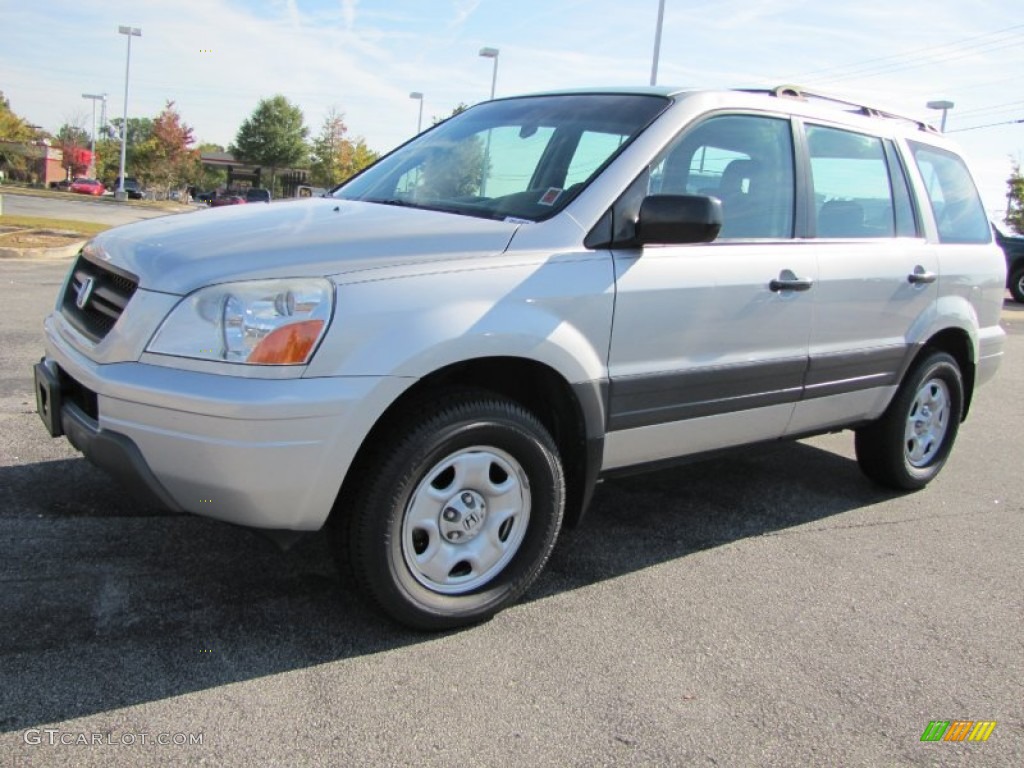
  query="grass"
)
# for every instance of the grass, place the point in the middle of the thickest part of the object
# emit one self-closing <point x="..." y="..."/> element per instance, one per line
<point x="84" y="228"/>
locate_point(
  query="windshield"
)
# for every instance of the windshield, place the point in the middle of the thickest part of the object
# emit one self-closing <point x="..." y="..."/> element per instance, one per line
<point x="520" y="158"/>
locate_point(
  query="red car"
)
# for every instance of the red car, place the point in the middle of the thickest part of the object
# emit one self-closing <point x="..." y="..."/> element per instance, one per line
<point x="227" y="198"/>
<point x="87" y="187"/>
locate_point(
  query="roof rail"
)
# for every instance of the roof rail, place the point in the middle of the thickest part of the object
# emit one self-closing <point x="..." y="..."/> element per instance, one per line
<point x="803" y="94"/>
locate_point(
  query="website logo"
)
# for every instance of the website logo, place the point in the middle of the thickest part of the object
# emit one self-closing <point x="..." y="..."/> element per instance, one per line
<point x="958" y="730"/>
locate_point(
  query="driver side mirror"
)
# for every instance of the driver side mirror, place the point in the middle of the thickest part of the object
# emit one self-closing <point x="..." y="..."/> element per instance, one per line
<point x="678" y="219"/>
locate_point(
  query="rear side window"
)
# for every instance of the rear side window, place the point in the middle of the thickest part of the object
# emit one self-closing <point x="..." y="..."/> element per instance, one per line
<point x="959" y="213"/>
<point x="852" y="191"/>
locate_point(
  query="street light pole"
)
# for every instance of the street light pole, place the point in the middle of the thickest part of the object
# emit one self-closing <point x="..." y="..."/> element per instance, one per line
<point x="130" y="32"/>
<point x="419" y="120"/>
<point x="92" y="149"/>
<point x="492" y="53"/>
<point x="945" y="106"/>
<point x="657" y="42"/>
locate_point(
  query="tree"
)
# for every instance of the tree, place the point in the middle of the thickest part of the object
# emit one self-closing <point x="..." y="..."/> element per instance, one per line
<point x="15" y="133"/>
<point x="108" y="159"/>
<point x="140" y="130"/>
<point x="1015" y="200"/>
<point x="12" y="127"/>
<point x="334" y="157"/>
<point x="209" y="178"/>
<point x="273" y="136"/>
<point x="166" y="158"/>
<point x="458" y="172"/>
<point x="73" y="140"/>
<point x="459" y="109"/>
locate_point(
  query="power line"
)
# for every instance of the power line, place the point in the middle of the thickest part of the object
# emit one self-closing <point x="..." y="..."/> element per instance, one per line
<point x="919" y="56"/>
<point x="989" y="125"/>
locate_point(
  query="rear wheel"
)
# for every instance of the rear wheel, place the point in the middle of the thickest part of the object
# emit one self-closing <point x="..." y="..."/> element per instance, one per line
<point x="910" y="443"/>
<point x="460" y="514"/>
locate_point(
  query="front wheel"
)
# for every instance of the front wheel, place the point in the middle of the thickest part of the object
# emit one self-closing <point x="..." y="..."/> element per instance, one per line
<point x="459" y="514"/>
<point x="908" y="446"/>
<point x="1016" y="282"/>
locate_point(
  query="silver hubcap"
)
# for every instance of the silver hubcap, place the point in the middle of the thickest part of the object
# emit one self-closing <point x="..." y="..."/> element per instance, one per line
<point x="466" y="520"/>
<point x="927" y="423"/>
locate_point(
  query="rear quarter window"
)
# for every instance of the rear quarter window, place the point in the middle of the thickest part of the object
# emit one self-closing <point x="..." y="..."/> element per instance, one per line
<point x="959" y="213"/>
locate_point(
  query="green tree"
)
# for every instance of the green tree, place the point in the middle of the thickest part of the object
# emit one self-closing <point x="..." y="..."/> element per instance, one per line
<point x="459" y="108"/>
<point x="166" y="159"/>
<point x="333" y="156"/>
<point x="12" y="127"/>
<point x="209" y="178"/>
<point x="459" y="171"/>
<point x="108" y="159"/>
<point x="273" y="136"/>
<point x="1015" y="200"/>
<point x="140" y="130"/>
<point x="15" y="133"/>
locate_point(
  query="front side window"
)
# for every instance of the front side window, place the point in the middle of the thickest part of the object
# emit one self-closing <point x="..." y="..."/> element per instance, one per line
<point x="522" y="158"/>
<point x="959" y="213"/>
<point x="746" y="161"/>
<point x="852" y="194"/>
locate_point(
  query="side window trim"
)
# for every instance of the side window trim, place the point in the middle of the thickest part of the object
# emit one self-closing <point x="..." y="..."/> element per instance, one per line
<point x="804" y="223"/>
<point x="901" y="192"/>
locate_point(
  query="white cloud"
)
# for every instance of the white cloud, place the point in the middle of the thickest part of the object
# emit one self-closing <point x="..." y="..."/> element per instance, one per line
<point x="217" y="58"/>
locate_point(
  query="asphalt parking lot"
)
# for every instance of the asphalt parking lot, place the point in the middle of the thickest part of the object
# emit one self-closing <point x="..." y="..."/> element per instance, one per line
<point x="771" y="608"/>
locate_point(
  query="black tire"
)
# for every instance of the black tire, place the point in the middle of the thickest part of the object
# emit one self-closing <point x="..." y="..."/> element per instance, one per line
<point x="1016" y="283"/>
<point x="929" y="403"/>
<point x="489" y="494"/>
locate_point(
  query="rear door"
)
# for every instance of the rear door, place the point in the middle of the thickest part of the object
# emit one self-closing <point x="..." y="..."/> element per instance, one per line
<point x="877" y="277"/>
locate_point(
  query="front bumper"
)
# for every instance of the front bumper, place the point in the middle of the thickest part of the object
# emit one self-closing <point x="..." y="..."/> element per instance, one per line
<point x="266" y="453"/>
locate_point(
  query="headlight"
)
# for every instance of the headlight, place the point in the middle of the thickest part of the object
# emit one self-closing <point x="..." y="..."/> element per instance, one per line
<point x="263" y="322"/>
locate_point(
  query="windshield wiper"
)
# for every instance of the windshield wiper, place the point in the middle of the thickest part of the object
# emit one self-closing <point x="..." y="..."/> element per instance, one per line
<point x="479" y="213"/>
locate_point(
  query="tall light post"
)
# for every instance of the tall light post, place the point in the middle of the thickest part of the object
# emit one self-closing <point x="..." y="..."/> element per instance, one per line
<point x="492" y="53"/>
<point x="92" y="148"/>
<point x="419" y="120"/>
<point x="657" y="42"/>
<point x="945" y="106"/>
<point x="131" y="32"/>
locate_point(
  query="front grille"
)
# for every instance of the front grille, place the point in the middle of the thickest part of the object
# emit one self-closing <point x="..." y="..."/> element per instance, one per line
<point x="107" y="299"/>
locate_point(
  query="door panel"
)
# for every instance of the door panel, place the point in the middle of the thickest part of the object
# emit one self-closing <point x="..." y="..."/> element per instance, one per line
<point x="698" y="334"/>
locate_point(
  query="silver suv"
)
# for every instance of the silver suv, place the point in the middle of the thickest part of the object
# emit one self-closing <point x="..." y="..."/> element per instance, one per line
<point x="444" y="357"/>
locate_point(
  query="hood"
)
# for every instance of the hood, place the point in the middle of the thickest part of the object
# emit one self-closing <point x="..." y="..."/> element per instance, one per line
<point x="315" y="237"/>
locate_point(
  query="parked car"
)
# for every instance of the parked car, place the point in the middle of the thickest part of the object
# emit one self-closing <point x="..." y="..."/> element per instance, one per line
<point x="203" y="197"/>
<point x="257" y="195"/>
<point x="132" y="188"/>
<point x="85" y="186"/>
<point x="227" y="198"/>
<point x="61" y="185"/>
<point x="442" y="359"/>
<point x="1013" y="249"/>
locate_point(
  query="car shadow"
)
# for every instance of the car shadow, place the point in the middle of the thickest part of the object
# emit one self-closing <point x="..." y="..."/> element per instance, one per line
<point x="108" y="604"/>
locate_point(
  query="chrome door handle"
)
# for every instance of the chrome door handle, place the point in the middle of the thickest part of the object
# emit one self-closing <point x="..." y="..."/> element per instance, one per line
<point x="921" y="276"/>
<point x="787" y="281"/>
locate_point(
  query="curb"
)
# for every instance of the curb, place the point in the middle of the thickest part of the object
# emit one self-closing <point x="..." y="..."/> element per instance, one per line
<point x="60" y="252"/>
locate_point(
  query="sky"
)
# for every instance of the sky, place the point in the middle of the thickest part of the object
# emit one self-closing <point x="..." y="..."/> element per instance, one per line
<point x="215" y="59"/>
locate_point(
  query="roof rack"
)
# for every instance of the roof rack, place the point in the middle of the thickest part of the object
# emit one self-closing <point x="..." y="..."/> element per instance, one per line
<point x="803" y="94"/>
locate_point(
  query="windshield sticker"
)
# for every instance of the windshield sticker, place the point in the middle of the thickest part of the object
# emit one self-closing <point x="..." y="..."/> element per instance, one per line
<point x="549" y="197"/>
